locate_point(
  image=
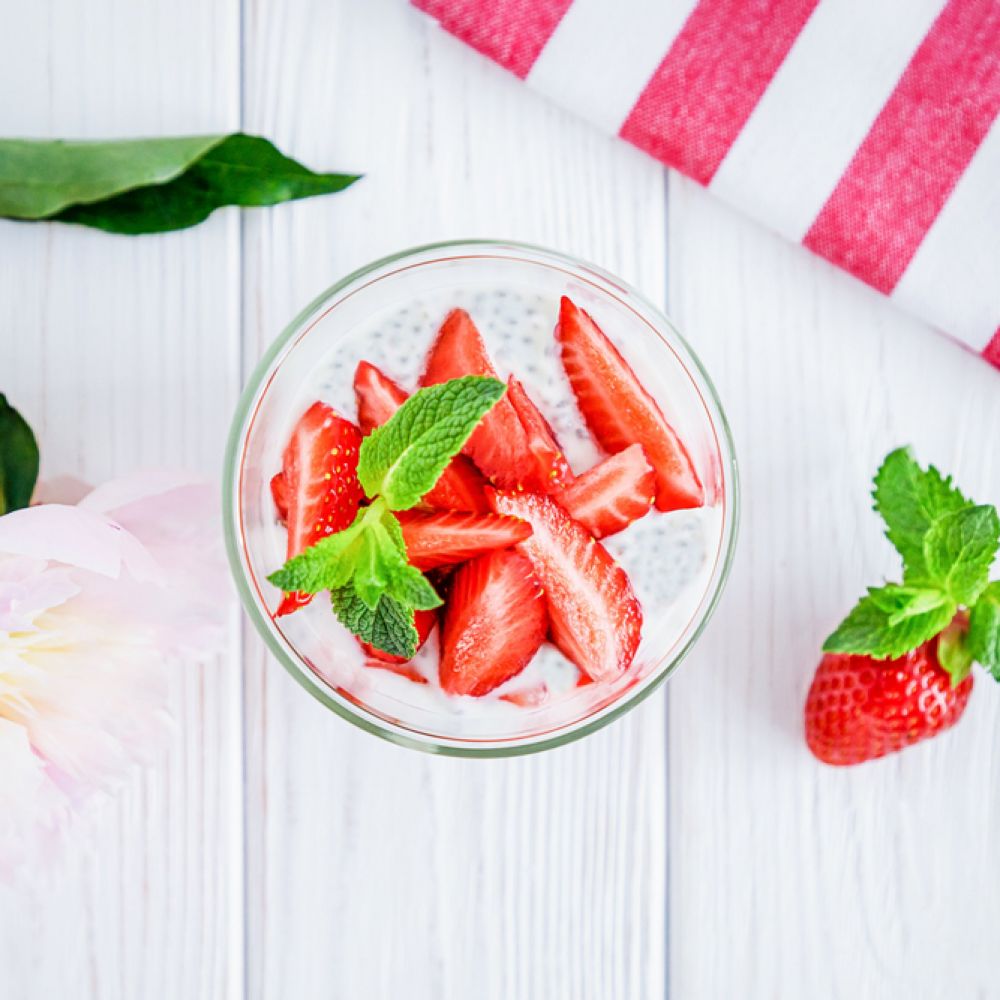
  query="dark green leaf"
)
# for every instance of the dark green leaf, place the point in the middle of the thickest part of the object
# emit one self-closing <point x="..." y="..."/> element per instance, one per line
<point x="401" y="460"/>
<point x="18" y="459"/>
<point x="150" y="185"/>
<point x="389" y="626"/>
<point x="984" y="630"/>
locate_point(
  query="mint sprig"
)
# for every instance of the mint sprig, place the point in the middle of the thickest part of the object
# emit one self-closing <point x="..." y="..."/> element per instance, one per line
<point x="374" y="589"/>
<point x="948" y="544"/>
<point x="403" y="459"/>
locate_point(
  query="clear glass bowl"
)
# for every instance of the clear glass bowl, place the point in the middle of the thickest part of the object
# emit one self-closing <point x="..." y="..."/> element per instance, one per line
<point x="283" y="385"/>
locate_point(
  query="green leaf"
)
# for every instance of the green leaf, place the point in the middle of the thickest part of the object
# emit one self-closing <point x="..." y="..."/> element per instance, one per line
<point x="959" y="549"/>
<point x="18" y="459"/>
<point x="983" y="639"/>
<point x="910" y="500"/>
<point x="954" y="654"/>
<point x="902" y="602"/>
<point x="388" y="626"/>
<point x="401" y="460"/>
<point x="887" y="623"/>
<point x="138" y="186"/>
<point x="327" y="565"/>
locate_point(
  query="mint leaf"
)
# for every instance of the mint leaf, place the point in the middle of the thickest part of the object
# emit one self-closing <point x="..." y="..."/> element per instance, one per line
<point x="388" y="626"/>
<point x="18" y="459"/>
<point x="910" y="500"/>
<point x="983" y="639"/>
<point x="327" y="565"/>
<point x="954" y="654"/>
<point x="959" y="549"/>
<point x="401" y="460"/>
<point x="887" y="623"/>
<point x="902" y="602"/>
<point x="135" y="186"/>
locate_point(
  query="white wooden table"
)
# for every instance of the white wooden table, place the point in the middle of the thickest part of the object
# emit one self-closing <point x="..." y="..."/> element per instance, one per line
<point x="692" y="850"/>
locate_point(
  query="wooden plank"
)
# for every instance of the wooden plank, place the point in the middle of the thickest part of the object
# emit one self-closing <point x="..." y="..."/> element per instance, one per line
<point x="788" y="878"/>
<point x="374" y="871"/>
<point x="123" y="353"/>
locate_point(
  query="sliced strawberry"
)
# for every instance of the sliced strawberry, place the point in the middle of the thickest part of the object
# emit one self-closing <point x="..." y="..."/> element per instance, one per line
<point x="553" y="469"/>
<point x="612" y="494"/>
<point x="320" y="472"/>
<point x="530" y="697"/>
<point x="460" y="486"/>
<point x="619" y="411"/>
<point x="424" y="622"/>
<point x="494" y="623"/>
<point x="594" y="614"/>
<point x="378" y="396"/>
<point x="279" y="494"/>
<point x="446" y="537"/>
<point x="498" y="445"/>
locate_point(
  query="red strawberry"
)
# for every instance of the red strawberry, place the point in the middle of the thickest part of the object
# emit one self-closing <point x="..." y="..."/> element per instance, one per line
<point x="320" y="473"/>
<point x="595" y="617"/>
<point x="618" y="409"/>
<point x="860" y="708"/>
<point x="494" y="623"/>
<point x="460" y="486"/>
<point x="442" y="538"/>
<point x="280" y="496"/>
<point x="612" y="494"/>
<point x="498" y="445"/>
<point x="553" y="469"/>
<point x="424" y="621"/>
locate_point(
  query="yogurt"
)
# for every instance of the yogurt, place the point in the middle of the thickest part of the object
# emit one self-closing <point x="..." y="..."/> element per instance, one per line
<point x="669" y="557"/>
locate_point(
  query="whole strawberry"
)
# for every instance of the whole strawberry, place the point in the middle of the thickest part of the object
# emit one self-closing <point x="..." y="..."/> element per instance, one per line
<point x="898" y="669"/>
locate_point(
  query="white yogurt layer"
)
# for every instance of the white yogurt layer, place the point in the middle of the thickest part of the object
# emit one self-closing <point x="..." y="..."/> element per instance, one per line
<point x="669" y="556"/>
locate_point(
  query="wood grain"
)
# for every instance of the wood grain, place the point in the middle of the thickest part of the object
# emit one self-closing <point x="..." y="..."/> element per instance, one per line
<point x="124" y="353"/>
<point x="373" y="871"/>
<point x="789" y="879"/>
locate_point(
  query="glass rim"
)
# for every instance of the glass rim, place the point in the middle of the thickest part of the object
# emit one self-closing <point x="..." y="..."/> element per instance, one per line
<point x="351" y="709"/>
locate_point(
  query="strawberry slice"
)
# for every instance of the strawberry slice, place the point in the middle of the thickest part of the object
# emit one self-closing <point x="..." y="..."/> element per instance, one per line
<point x="445" y="537"/>
<point x="320" y="483"/>
<point x="595" y="618"/>
<point x="460" y="486"/>
<point x="424" y="622"/>
<point x="279" y="494"/>
<point x="530" y="697"/>
<point x="553" y="469"/>
<point x="494" y="623"/>
<point x="611" y="495"/>
<point x="498" y="445"/>
<point x="619" y="411"/>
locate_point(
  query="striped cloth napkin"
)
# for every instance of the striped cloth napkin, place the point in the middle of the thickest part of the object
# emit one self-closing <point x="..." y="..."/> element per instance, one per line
<point x="864" y="129"/>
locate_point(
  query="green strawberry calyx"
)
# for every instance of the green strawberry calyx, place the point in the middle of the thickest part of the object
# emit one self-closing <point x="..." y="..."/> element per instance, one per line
<point x="948" y="545"/>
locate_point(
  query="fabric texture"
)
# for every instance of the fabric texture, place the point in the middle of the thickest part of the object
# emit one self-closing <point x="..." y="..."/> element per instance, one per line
<point x="866" y="130"/>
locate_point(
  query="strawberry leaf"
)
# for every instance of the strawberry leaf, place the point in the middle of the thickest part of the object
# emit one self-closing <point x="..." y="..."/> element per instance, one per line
<point x="984" y="630"/>
<point x="403" y="459"/>
<point x="910" y="500"/>
<point x="959" y="549"/>
<point x="888" y="623"/>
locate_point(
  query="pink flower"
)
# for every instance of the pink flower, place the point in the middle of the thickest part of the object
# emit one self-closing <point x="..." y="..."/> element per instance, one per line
<point x="95" y="598"/>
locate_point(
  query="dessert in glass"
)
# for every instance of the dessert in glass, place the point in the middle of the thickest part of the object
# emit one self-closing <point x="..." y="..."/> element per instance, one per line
<point x="575" y="545"/>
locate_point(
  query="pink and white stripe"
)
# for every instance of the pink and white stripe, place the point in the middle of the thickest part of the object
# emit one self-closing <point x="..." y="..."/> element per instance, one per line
<point x="864" y="129"/>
